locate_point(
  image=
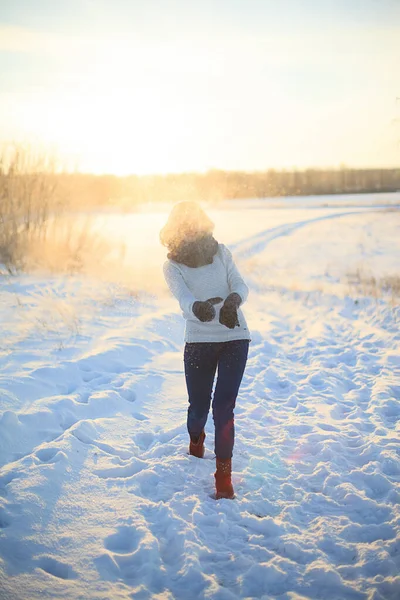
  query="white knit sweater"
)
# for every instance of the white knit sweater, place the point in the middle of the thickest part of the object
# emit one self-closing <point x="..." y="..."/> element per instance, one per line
<point x="220" y="278"/>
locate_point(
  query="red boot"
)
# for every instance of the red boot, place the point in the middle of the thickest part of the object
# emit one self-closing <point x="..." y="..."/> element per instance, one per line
<point x="196" y="448"/>
<point x="223" y="482"/>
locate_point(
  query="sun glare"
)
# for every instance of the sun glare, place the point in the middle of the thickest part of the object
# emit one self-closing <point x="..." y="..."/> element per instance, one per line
<point x="124" y="118"/>
<point x="109" y="133"/>
<point x="140" y="103"/>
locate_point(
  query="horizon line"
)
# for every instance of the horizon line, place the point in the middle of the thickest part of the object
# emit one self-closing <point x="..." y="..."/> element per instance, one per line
<point x="242" y="171"/>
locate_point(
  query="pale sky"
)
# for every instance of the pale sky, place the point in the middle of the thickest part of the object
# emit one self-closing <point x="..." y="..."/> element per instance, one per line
<point x="128" y="86"/>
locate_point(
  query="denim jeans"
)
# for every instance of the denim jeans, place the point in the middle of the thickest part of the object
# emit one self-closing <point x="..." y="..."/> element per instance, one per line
<point x="202" y="359"/>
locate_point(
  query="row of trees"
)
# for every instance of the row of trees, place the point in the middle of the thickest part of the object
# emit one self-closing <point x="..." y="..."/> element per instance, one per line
<point x="31" y="185"/>
<point x="215" y="185"/>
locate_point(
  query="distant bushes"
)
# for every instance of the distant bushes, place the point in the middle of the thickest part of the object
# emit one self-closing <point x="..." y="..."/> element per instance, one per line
<point x="34" y="229"/>
<point x="92" y="191"/>
<point x="30" y="186"/>
<point x="28" y="195"/>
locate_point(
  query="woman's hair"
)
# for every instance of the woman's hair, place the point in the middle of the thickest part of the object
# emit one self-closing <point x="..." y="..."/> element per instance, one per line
<point x="186" y="222"/>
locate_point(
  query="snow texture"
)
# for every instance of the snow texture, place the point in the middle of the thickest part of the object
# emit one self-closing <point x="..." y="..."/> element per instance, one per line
<point x="98" y="496"/>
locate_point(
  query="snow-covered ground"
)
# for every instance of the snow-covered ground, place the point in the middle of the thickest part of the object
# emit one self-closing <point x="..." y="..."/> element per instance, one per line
<point x="98" y="496"/>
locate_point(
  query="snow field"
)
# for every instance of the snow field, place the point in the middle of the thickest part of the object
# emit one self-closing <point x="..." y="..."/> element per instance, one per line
<point x="98" y="496"/>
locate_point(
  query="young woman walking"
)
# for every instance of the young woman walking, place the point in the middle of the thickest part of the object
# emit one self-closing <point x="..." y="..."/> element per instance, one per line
<point x="204" y="279"/>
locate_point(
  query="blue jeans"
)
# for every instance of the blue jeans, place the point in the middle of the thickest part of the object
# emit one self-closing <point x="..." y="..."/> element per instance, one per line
<point x="201" y="361"/>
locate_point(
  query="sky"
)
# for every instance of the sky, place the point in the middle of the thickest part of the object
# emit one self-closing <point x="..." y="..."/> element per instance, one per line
<point x="157" y="86"/>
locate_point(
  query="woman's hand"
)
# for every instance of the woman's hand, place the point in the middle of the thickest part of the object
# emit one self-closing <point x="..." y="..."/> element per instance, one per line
<point x="205" y="311"/>
<point x="228" y="314"/>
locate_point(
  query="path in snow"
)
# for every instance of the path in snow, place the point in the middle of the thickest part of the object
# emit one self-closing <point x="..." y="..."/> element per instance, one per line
<point x="99" y="498"/>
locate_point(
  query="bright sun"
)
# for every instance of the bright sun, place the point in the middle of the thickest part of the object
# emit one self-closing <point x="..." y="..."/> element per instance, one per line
<point x="116" y="118"/>
<point x="110" y="131"/>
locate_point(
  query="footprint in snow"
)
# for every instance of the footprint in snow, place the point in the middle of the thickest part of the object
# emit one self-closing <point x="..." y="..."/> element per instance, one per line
<point x="139" y="416"/>
<point x="90" y="375"/>
<point x="127" y="394"/>
<point x="327" y="427"/>
<point x="338" y="553"/>
<point x="144" y="440"/>
<point x="340" y="412"/>
<point x="103" y="380"/>
<point x="124" y="541"/>
<point x="367" y="534"/>
<point x="317" y="381"/>
<point x="390" y="466"/>
<point x="119" y="383"/>
<point x="83" y="398"/>
<point x="47" y="455"/>
<point x="374" y="485"/>
<point x="56" y="568"/>
<point x="349" y="358"/>
<point x="5" y="480"/>
<point x="122" y="471"/>
<point x="390" y="410"/>
<point x="133" y="550"/>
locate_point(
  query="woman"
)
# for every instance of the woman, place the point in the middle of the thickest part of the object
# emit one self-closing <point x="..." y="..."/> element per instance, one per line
<point x="202" y="276"/>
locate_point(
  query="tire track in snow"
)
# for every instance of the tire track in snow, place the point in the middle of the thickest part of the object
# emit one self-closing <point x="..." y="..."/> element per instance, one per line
<point x="253" y="245"/>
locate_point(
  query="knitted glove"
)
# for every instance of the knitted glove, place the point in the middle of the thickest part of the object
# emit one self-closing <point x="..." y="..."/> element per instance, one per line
<point x="228" y="314"/>
<point x="205" y="311"/>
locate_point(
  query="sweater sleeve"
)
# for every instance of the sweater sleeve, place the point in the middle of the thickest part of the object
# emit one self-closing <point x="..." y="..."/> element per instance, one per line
<point x="235" y="280"/>
<point x="178" y="287"/>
